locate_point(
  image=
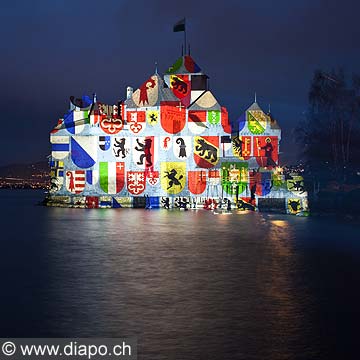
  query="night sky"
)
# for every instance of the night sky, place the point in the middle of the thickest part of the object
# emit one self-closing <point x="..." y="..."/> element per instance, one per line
<point x="51" y="49"/>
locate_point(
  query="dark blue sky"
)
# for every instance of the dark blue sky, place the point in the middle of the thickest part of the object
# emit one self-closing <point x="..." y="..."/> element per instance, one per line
<point x="53" y="49"/>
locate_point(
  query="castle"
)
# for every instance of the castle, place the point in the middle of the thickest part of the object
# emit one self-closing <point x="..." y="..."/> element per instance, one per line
<point x="169" y="144"/>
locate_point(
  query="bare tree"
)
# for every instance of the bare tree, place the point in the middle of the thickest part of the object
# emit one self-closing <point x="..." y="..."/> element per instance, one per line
<point x="330" y="134"/>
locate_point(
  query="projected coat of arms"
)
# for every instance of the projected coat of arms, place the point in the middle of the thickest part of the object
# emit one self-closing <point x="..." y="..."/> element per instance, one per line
<point x="173" y="177"/>
<point x="169" y="140"/>
<point x="256" y="121"/>
<point x="111" y="176"/>
<point x="75" y="181"/>
<point x="197" y="181"/>
<point x="206" y="151"/>
<point x="136" y="182"/>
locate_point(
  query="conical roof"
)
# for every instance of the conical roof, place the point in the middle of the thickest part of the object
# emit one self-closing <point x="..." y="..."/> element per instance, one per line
<point x="271" y="120"/>
<point x="94" y="109"/>
<point x="254" y="107"/>
<point x="184" y="65"/>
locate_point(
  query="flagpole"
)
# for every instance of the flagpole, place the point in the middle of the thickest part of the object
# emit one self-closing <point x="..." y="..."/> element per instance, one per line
<point x="185" y="36"/>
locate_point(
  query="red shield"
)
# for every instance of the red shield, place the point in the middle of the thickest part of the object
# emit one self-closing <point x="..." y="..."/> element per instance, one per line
<point x="172" y="116"/>
<point x="197" y="181"/>
<point x="181" y="87"/>
<point x="136" y="121"/>
<point x="111" y="125"/>
<point x="206" y="151"/>
<point x="265" y="149"/>
<point x="214" y="177"/>
<point x="135" y="182"/>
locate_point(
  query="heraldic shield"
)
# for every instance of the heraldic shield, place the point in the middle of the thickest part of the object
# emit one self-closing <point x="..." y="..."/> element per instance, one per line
<point x="206" y="151"/>
<point x="296" y="185"/>
<point x="59" y="146"/>
<point x="235" y="177"/>
<point x="266" y="150"/>
<point x="256" y="121"/>
<point x="136" y="182"/>
<point x="260" y="182"/>
<point x="173" y="177"/>
<point x="84" y="151"/>
<point x="92" y="176"/>
<point x="104" y="142"/>
<point x="112" y="176"/>
<point x="121" y="147"/>
<point x="136" y="121"/>
<point x="57" y="175"/>
<point x="75" y="181"/>
<point x="197" y="181"/>
<point x="241" y="146"/>
<point x="172" y="116"/>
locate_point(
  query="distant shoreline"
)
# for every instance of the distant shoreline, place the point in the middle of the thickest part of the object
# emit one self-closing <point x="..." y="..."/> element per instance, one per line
<point x="25" y="187"/>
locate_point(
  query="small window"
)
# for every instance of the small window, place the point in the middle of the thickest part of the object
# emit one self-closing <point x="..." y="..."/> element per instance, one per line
<point x="226" y="139"/>
<point x="199" y="82"/>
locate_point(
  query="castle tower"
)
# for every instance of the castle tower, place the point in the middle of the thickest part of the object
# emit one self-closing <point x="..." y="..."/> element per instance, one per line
<point x="169" y="143"/>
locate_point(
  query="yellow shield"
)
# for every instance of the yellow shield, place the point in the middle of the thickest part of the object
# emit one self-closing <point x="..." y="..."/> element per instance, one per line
<point x="173" y="176"/>
<point x="294" y="206"/>
<point x="256" y="121"/>
<point x="152" y="117"/>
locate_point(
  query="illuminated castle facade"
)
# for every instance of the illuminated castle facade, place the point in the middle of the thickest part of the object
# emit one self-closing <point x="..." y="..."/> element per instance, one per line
<point x="171" y="144"/>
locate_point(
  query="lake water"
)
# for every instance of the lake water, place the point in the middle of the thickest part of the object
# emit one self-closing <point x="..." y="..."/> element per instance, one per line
<point x="189" y="285"/>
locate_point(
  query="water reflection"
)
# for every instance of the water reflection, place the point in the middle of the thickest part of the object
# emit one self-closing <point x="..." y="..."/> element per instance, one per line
<point x="167" y="272"/>
<point x="188" y="284"/>
<point x="276" y="283"/>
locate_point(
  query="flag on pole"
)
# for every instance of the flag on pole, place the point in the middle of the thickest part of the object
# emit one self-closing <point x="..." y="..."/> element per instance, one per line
<point x="180" y="25"/>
